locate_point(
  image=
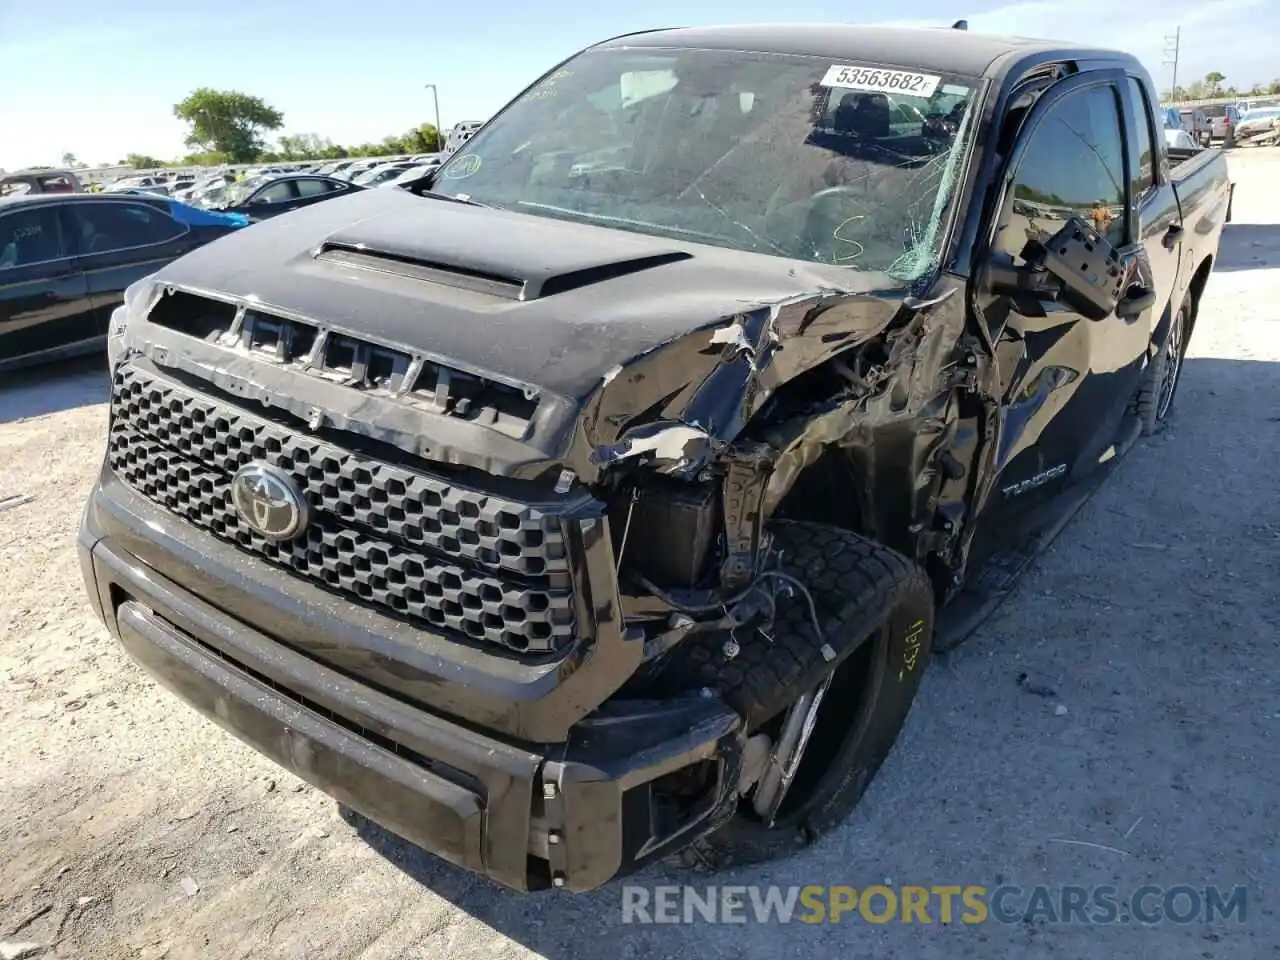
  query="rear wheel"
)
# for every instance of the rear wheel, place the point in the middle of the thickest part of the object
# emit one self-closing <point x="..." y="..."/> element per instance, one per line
<point x="1154" y="400"/>
<point x="826" y="709"/>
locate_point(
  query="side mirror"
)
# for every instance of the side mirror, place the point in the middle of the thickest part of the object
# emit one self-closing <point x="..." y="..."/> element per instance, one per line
<point x="1027" y="279"/>
<point x="1093" y="278"/>
<point x="1076" y="265"/>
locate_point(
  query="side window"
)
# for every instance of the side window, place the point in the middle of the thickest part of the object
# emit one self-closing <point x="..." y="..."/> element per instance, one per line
<point x="119" y="226"/>
<point x="1073" y="167"/>
<point x="1145" y="176"/>
<point x="57" y="184"/>
<point x="313" y="188"/>
<point x="30" y="236"/>
<point x="275" y="193"/>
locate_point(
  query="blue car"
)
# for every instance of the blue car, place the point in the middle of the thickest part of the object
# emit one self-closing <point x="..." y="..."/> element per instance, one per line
<point x="66" y="259"/>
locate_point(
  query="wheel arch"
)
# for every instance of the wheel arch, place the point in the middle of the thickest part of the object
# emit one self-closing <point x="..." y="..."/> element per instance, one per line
<point x="1199" y="280"/>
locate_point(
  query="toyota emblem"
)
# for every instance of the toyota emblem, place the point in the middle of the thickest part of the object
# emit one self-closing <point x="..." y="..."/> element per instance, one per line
<point x="269" y="501"/>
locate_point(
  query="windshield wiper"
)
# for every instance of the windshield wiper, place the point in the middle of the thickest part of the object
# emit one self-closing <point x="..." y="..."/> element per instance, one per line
<point x="654" y="229"/>
<point x="453" y="199"/>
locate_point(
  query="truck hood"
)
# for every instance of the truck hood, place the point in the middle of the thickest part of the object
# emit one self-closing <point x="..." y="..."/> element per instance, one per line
<point x="622" y="329"/>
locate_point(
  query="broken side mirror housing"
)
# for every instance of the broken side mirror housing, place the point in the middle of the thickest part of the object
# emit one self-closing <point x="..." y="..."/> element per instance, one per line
<point x="1092" y="274"/>
<point x="1008" y="279"/>
<point x="1076" y="266"/>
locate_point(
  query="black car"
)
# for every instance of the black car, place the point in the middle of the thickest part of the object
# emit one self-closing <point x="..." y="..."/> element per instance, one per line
<point x="282" y="194"/>
<point x="65" y="260"/>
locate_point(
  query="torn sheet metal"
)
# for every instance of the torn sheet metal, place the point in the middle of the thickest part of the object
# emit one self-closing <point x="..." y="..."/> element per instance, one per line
<point x="670" y="449"/>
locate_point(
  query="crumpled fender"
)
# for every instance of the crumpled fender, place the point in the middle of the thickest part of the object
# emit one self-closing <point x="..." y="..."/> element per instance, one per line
<point x="677" y="406"/>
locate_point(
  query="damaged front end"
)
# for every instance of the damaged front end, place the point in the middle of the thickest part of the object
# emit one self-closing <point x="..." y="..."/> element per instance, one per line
<point x="847" y="408"/>
<point x="585" y="537"/>
<point x="843" y="408"/>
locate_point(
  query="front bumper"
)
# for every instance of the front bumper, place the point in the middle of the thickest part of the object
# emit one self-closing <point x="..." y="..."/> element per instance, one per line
<point x="526" y="815"/>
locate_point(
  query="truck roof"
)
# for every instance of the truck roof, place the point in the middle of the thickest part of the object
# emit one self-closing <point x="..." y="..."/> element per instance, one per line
<point x="948" y="50"/>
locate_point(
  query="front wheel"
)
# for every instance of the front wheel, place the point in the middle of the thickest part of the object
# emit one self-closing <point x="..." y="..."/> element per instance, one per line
<point x="841" y="698"/>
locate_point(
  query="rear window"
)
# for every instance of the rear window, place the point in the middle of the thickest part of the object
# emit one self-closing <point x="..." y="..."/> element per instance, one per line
<point x="57" y="183"/>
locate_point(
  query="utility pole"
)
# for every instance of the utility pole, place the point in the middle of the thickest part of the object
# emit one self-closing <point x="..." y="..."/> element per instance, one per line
<point x="435" y="98"/>
<point x="1172" y="42"/>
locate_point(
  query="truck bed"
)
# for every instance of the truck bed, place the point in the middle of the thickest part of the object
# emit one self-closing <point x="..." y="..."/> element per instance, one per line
<point x="1200" y="180"/>
<point x="1181" y="157"/>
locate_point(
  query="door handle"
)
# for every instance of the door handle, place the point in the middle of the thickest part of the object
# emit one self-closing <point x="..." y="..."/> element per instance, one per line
<point x="1172" y="236"/>
<point x="1136" y="299"/>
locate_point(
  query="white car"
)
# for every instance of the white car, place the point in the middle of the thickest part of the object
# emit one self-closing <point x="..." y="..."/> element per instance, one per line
<point x="1178" y="139"/>
<point x="413" y="173"/>
<point x="1258" y="120"/>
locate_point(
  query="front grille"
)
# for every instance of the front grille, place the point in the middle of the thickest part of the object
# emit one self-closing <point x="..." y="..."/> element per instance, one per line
<point x="485" y="567"/>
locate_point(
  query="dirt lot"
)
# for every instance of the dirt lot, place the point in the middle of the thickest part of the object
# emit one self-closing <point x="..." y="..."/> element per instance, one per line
<point x="131" y="827"/>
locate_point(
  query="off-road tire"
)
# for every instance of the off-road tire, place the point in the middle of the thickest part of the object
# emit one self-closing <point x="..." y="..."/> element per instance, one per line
<point x="1148" y="402"/>
<point x="863" y="592"/>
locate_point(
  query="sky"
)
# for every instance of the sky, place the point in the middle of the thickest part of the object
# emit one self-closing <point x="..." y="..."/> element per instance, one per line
<point x="98" y="78"/>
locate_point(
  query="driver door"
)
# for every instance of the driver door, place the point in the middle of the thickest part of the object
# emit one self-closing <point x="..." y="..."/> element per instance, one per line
<point x="1066" y="380"/>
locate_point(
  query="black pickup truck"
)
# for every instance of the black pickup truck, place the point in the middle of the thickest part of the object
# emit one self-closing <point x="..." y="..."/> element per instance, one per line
<point x="603" y="497"/>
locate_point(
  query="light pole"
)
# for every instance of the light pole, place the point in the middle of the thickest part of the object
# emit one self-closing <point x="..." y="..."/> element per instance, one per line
<point x="435" y="98"/>
<point x="1171" y="44"/>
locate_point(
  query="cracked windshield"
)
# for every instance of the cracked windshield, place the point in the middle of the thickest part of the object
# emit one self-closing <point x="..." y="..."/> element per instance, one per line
<point x="780" y="155"/>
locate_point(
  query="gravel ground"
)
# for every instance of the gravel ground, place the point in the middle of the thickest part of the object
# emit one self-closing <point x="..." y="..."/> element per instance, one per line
<point x="1144" y="751"/>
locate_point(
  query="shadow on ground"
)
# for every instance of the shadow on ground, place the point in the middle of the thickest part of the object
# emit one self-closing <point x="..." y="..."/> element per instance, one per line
<point x="1248" y="246"/>
<point x="974" y="720"/>
<point x="53" y="387"/>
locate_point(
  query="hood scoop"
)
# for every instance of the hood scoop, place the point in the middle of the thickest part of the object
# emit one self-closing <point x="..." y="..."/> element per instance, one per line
<point x="494" y="252"/>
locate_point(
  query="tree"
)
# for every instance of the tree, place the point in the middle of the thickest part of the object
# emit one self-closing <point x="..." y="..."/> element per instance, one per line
<point x="69" y="160"/>
<point x="140" y="161"/>
<point x="227" y="122"/>
<point x="1213" y="80"/>
<point x="424" y="138"/>
<point x="205" y="159"/>
<point x="303" y="146"/>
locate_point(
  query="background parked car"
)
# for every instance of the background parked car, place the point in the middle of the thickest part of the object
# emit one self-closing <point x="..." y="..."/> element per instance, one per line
<point x="1174" y="135"/>
<point x="383" y="173"/>
<point x="333" y="167"/>
<point x="1258" y="120"/>
<point x="460" y="134"/>
<point x="410" y="175"/>
<point x="1223" y="118"/>
<point x="146" y="183"/>
<point x="197" y="187"/>
<point x="65" y="260"/>
<point x="359" y="167"/>
<point x="39" y="181"/>
<point x="281" y="194"/>
<point x="1196" y="123"/>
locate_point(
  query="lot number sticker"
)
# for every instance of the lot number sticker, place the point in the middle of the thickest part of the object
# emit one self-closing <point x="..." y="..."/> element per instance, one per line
<point x="465" y="166"/>
<point x="881" y="81"/>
